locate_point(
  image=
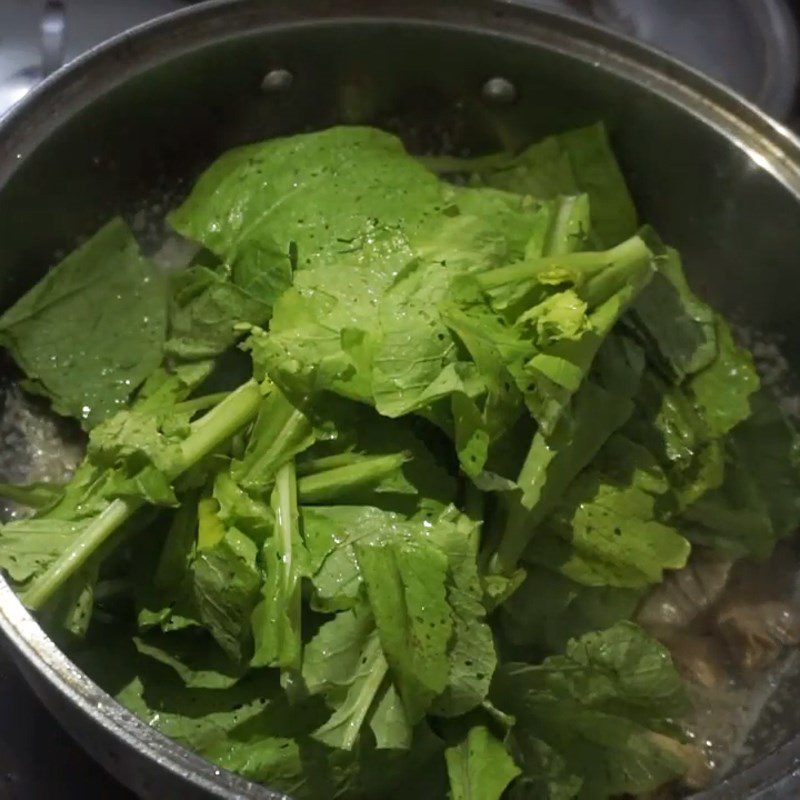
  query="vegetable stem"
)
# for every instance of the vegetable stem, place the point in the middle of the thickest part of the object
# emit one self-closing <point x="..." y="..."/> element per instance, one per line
<point x="287" y="528"/>
<point x="369" y="691"/>
<point x="219" y="424"/>
<point x="624" y="256"/>
<point x="200" y="403"/>
<point x="71" y="560"/>
<point x="323" y="486"/>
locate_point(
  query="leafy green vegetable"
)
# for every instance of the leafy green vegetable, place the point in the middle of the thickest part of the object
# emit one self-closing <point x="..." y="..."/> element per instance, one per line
<point x="598" y="707"/>
<point x="472" y="652"/>
<point x="480" y="767"/>
<point x="673" y="322"/>
<point x="560" y="309"/>
<point x="607" y="532"/>
<point x="549" y="609"/>
<point x="547" y="774"/>
<point x="225" y="586"/>
<point x="475" y="422"/>
<point x="204" y="310"/>
<point x="405" y="584"/>
<point x="759" y="501"/>
<point x="280" y="431"/>
<point x="601" y="405"/>
<point x="299" y="190"/>
<point x="207" y="433"/>
<point x="565" y="164"/>
<point x="345" y="662"/>
<point x="29" y="546"/>
<point x="92" y="329"/>
<point x="34" y="495"/>
<point x="722" y="390"/>
<point x="199" y="665"/>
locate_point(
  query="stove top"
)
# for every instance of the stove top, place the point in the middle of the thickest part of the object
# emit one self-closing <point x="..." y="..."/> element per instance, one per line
<point x="751" y="46"/>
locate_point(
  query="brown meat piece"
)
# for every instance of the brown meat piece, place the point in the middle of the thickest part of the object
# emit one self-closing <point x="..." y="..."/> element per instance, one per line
<point x="699" y="658"/>
<point x="759" y="614"/>
<point x="756" y="631"/>
<point x="685" y="593"/>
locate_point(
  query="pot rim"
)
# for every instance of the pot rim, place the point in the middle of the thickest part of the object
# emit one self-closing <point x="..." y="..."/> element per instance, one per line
<point x="768" y="144"/>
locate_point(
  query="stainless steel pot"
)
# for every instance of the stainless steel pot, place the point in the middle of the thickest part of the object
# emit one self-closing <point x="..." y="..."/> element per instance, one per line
<point x="147" y="111"/>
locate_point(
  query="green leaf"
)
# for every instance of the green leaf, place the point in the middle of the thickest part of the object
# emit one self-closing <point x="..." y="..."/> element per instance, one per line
<point x="497" y="228"/>
<point x="75" y="607"/>
<point x="332" y="534"/>
<point x="155" y="692"/>
<point x="38" y="495"/>
<point x="329" y="534"/>
<point x="225" y="590"/>
<point x="205" y="308"/>
<point x="601" y="406"/>
<point x="566" y="164"/>
<point x="166" y="601"/>
<point x="547" y="318"/>
<point x="621" y="671"/>
<point x="280" y="432"/>
<point x="29" y="546"/>
<point x="547" y="775"/>
<point x="471" y="651"/>
<point x="320" y="335"/>
<point x="669" y="426"/>
<point x="601" y="707"/>
<point x="198" y="663"/>
<point x="335" y="535"/>
<point x="92" y="329"/>
<point x="249" y="727"/>
<point x="679" y="329"/>
<point x="722" y="391"/>
<point x="548" y="609"/>
<point x="415" y="360"/>
<point x="344" y="662"/>
<point x="168" y="386"/>
<point x="759" y="501"/>
<point x="322" y="192"/>
<point x="274" y="760"/>
<point x="262" y="270"/>
<point x="389" y="721"/>
<point x="132" y="440"/>
<point x="607" y="532"/>
<point x="331" y="658"/>
<point x="405" y="583"/>
<point x="344" y="725"/>
<point x="480" y="767"/>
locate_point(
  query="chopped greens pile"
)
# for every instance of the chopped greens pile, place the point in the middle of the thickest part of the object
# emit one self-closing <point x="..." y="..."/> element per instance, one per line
<point x="374" y="485"/>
